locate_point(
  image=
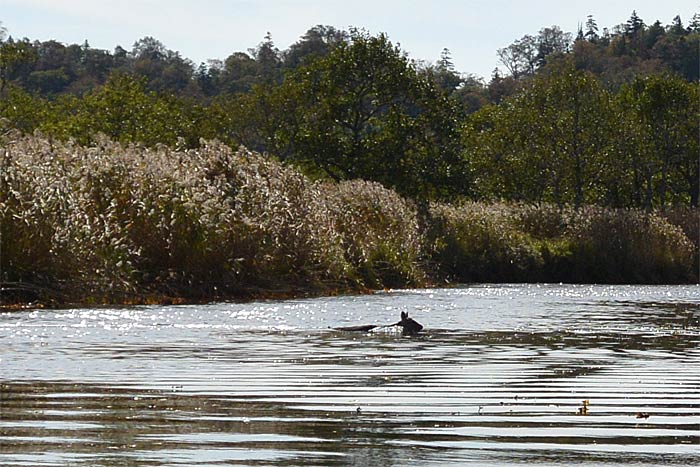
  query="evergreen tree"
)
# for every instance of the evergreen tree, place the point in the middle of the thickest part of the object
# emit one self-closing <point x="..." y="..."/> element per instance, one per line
<point x="634" y="25"/>
<point x="676" y="28"/>
<point x="653" y="34"/>
<point x="694" y="25"/>
<point x="268" y="60"/>
<point x="591" y="33"/>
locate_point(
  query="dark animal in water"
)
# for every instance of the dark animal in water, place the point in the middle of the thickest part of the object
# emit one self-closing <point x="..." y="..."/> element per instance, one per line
<point x="410" y="327"/>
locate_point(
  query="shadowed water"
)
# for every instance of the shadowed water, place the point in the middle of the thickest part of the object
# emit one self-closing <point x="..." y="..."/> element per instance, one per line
<point x="498" y="377"/>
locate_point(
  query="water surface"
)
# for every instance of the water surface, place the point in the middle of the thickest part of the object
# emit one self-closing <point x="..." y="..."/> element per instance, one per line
<point x="499" y="378"/>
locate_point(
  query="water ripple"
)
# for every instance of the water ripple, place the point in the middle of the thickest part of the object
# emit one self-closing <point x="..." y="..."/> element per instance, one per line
<point x="539" y="374"/>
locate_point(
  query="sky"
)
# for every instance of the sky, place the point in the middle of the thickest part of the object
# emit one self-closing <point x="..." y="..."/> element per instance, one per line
<point x="473" y="30"/>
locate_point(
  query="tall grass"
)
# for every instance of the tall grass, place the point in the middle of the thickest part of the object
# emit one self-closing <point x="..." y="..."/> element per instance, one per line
<point x="376" y="231"/>
<point x="628" y="246"/>
<point x="481" y="242"/>
<point x="688" y="219"/>
<point x="516" y="242"/>
<point x="116" y="223"/>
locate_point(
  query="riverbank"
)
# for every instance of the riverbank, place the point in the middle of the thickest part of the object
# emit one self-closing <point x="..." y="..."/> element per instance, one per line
<point x="115" y="224"/>
<point x="27" y="298"/>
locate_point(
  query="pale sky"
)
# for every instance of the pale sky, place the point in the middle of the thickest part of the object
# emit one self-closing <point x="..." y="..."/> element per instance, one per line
<point x="213" y="29"/>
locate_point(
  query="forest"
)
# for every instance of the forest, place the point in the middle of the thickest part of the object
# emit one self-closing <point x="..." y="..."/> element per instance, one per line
<point x="137" y="170"/>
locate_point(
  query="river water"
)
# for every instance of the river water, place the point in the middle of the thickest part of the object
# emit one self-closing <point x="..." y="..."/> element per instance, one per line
<point x="499" y="377"/>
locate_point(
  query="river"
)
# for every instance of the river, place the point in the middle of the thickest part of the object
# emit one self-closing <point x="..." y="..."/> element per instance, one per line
<point x="502" y="375"/>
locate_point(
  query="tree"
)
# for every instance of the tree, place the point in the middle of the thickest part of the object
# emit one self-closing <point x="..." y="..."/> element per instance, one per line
<point x="520" y="58"/>
<point x="679" y="53"/>
<point x="524" y="56"/>
<point x="663" y="114"/>
<point x="443" y="73"/>
<point x="148" y="48"/>
<point x="653" y="34"/>
<point x="21" y="110"/>
<point x="13" y="55"/>
<point x="238" y="74"/>
<point x="550" y="41"/>
<point x="268" y="60"/>
<point x="364" y="111"/>
<point x="317" y="42"/>
<point x="545" y="144"/>
<point x="164" y="69"/>
<point x="125" y="111"/>
<point x="501" y="87"/>
<point x="591" y="33"/>
<point x="472" y="93"/>
<point x="676" y="28"/>
<point x="634" y="25"/>
<point x="694" y="25"/>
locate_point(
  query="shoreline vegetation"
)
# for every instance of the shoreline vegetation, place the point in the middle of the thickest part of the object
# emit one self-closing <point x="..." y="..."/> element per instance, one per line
<point x="127" y="224"/>
<point x="365" y="169"/>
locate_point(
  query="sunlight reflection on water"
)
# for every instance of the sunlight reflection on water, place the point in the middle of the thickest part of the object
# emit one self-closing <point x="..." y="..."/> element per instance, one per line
<point x="498" y="378"/>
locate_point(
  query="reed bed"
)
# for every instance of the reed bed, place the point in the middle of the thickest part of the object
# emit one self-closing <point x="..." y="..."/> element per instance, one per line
<point x="118" y="223"/>
<point x="525" y="243"/>
<point x="114" y="223"/>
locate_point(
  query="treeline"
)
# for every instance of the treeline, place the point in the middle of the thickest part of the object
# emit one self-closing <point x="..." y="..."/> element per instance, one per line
<point x="114" y="223"/>
<point x="616" y="55"/>
<point x="51" y="68"/>
<point x="347" y="105"/>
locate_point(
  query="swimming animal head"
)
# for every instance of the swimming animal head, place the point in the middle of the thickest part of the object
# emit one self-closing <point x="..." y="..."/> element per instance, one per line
<point x="410" y="326"/>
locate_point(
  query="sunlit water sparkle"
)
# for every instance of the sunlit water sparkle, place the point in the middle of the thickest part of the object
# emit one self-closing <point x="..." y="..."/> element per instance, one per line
<point x="498" y="378"/>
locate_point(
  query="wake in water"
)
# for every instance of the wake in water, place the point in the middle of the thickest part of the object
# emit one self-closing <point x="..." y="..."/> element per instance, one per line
<point x="409" y="326"/>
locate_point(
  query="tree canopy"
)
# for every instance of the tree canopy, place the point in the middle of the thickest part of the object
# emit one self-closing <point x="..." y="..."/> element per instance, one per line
<point x="607" y="117"/>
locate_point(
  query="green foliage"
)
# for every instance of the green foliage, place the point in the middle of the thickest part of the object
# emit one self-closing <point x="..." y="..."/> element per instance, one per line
<point x="124" y="111"/>
<point x="13" y="55"/>
<point x="363" y="111"/>
<point x="22" y="111"/>
<point x="662" y="115"/>
<point x="546" y="144"/>
<point x="565" y="139"/>
<point x="517" y="242"/>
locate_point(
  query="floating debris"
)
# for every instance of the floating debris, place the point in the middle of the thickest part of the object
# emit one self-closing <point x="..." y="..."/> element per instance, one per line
<point x="583" y="410"/>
